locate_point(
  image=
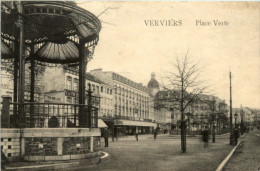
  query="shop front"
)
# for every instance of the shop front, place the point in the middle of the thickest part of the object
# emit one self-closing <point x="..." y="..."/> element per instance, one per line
<point x="129" y="127"/>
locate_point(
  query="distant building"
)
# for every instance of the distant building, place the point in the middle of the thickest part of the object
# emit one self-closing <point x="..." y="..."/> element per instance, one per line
<point x="62" y="84"/>
<point x="250" y="115"/>
<point x="131" y="102"/>
<point x="130" y="98"/>
<point x="153" y="85"/>
<point x="204" y="111"/>
<point x="7" y="86"/>
<point x="153" y="88"/>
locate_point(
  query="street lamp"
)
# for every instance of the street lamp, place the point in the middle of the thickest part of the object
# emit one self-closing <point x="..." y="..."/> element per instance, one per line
<point x="235" y="116"/>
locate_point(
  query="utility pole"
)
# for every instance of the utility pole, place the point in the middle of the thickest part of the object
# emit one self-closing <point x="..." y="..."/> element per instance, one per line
<point x="231" y="126"/>
<point x="214" y="120"/>
<point x="183" y="133"/>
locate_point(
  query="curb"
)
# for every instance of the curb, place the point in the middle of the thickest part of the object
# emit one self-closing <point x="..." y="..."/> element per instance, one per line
<point x="62" y="165"/>
<point x="105" y="157"/>
<point x="224" y="162"/>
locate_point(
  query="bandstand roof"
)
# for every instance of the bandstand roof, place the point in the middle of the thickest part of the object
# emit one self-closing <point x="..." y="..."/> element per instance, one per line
<point x="54" y="28"/>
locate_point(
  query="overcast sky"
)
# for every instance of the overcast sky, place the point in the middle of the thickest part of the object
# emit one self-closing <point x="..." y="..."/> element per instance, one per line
<point x="131" y="48"/>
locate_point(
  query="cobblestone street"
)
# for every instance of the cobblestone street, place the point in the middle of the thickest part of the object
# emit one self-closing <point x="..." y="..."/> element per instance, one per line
<point x="163" y="154"/>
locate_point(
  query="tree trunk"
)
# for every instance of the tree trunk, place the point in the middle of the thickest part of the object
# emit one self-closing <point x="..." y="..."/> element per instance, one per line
<point x="183" y="134"/>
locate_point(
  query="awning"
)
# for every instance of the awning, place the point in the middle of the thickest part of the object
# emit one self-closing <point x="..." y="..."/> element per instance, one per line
<point x="101" y="124"/>
<point x="134" y="123"/>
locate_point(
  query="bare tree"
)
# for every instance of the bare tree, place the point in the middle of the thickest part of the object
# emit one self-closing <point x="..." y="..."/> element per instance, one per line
<point x="182" y="87"/>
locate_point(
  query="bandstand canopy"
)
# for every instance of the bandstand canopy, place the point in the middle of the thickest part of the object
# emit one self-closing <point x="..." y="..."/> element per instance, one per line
<point x="53" y="28"/>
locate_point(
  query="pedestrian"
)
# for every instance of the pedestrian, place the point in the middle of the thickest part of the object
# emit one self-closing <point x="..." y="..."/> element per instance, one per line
<point x="106" y="135"/>
<point x="236" y="135"/>
<point x="205" y="137"/>
<point x="155" y="134"/>
<point x="136" y="135"/>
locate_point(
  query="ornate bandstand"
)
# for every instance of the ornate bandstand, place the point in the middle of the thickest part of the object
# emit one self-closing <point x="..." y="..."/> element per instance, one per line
<point x="48" y="34"/>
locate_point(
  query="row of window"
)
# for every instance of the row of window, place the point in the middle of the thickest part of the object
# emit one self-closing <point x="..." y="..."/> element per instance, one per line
<point x="132" y="106"/>
<point x="37" y="97"/>
<point x="107" y="101"/>
<point x="73" y="84"/>
<point x="49" y="98"/>
<point x="73" y="100"/>
<point x="130" y="109"/>
<point x="105" y="112"/>
<point x="128" y="93"/>
<point x="134" y="99"/>
<point x="127" y="81"/>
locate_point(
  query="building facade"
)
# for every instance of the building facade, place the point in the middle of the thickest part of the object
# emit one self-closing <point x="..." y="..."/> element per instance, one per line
<point x="7" y="85"/>
<point x="62" y="84"/>
<point x="204" y="111"/>
<point x="131" y="102"/>
<point x="130" y="98"/>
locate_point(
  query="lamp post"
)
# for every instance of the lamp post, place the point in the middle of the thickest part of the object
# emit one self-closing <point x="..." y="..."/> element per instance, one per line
<point x="230" y="114"/>
<point x="214" y="119"/>
<point x="236" y="130"/>
<point x="242" y="126"/>
<point x="235" y="116"/>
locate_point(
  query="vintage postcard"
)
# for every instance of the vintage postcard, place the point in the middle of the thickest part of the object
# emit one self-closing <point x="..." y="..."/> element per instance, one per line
<point x="130" y="85"/>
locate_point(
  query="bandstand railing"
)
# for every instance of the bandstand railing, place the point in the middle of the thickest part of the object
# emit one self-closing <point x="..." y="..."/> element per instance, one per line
<point x="51" y="115"/>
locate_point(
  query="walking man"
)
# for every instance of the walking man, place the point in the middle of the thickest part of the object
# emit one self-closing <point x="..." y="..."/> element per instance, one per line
<point x="236" y="135"/>
<point x="155" y="134"/>
<point x="205" y="137"/>
<point x="136" y="135"/>
<point x="106" y="135"/>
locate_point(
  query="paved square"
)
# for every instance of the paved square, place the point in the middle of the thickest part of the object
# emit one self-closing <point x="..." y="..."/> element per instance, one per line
<point x="163" y="154"/>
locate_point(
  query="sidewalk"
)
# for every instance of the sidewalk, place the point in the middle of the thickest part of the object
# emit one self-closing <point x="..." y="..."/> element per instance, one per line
<point x="247" y="155"/>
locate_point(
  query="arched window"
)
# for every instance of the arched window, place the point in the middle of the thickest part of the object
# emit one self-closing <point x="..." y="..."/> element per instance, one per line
<point x="115" y="90"/>
<point x="119" y="90"/>
<point x="76" y="84"/>
<point x="93" y="88"/>
<point x="123" y="93"/>
<point x="69" y="83"/>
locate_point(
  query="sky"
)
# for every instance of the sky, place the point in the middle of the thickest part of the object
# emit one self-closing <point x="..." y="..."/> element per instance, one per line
<point x="128" y="45"/>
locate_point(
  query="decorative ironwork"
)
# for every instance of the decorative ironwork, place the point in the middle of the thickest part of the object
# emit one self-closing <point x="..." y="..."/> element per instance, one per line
<point x="54" y="24"/>
<point x="40" y="115"/>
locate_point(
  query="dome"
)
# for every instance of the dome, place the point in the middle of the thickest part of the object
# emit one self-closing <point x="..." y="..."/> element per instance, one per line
<point x="153" y="83"/>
